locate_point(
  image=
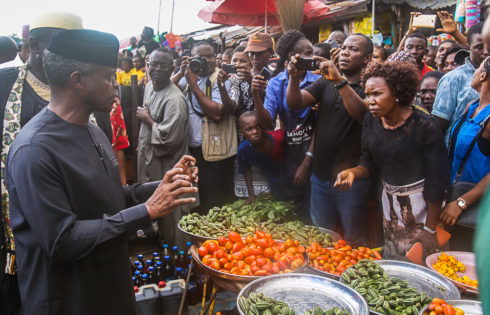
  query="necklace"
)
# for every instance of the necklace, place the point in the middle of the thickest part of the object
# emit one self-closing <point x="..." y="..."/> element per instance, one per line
<point x="397" y="125"/>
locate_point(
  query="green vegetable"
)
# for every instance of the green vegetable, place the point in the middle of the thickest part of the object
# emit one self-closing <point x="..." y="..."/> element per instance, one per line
<point x="384" y="295"/>
<point x="259" y="304"/>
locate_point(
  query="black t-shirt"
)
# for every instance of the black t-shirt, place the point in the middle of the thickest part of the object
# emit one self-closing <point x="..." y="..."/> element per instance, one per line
<point x="407" y="154"/>
<point x="338" y="135"/>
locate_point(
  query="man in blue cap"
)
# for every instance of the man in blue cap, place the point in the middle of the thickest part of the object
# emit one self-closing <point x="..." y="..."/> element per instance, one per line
<point x="70" y="216"/>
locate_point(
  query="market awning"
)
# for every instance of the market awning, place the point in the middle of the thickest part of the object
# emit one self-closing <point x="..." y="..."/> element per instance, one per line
<point x="423" y="4"/>
<point x="340" y="11"/>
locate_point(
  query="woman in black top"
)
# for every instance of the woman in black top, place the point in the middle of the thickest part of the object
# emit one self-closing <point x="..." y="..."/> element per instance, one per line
<point x="405" y="147"/>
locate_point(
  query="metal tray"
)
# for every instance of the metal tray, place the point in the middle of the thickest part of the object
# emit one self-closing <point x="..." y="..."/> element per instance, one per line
<point x="469" y="307"/>
<point x="315" y="271"/>
<point x="195" y="236"/>
<point x="304" y="291"/>
<point x="421" y="278"/>
<point x="233" y="277"/>
<point x="468" y="259"/>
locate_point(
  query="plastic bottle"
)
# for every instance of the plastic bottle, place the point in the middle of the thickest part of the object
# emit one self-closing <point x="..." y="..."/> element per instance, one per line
<point x="137" y="281"/>
<point x="149" y="263"/>
<point x="179" y="273"/>
<point x="136" y="264"/>
<point x="159" y="272"/>
<point x="166" y="251"/>
<point x="151" y="275"/>
<point x="181" y="260"/>
<point x="154" y="259"/>
<point x="141" y="260"/>
<point x="140" y="269"/>
<point x="168" y="268"/>
<point x="188" y="253"/>
<point x="144" y="279"/>
<point x="175" y="253"/>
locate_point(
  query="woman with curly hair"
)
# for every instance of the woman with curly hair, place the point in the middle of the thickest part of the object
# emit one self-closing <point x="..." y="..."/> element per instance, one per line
<point x="404" y="147"/>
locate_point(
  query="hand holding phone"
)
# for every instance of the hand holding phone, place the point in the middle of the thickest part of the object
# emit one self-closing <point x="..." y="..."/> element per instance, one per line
<point x="228" y="68"/>
<point x="266" y="73"/>
<point x="306" y="63"/>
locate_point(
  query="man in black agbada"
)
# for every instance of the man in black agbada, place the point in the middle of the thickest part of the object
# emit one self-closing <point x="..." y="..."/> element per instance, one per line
<point x="69" y="214"/>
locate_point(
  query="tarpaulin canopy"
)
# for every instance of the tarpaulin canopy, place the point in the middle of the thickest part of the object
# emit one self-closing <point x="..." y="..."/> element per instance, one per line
<point x="254" y="12"/>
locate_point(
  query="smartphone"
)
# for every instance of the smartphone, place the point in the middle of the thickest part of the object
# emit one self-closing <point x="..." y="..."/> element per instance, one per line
<point x="228" y="68"/>
<point x="425" y="20"/>
<point x="306" y="63"/>
<point x="266" y="73"/>
<point x="333" y="43"/>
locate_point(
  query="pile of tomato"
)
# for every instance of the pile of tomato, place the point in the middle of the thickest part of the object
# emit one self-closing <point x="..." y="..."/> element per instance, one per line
<point x="440" y="307"/>
<point x="338" y="259"/>
<point x="259" y="255"/>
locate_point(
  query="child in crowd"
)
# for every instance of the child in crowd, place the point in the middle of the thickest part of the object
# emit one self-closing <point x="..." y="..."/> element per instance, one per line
<point x="263" y="150"/>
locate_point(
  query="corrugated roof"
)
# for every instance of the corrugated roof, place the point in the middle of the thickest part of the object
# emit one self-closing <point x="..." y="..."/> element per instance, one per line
<point x="423" y="4"/>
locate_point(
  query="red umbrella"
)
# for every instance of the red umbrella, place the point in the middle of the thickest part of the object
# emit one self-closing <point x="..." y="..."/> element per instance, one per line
<point x="255" y="12"/>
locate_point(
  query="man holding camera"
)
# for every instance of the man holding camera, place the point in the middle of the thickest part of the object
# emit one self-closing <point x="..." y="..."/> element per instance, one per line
<point x="212" y="130"/>
<point x="338" y="136"/>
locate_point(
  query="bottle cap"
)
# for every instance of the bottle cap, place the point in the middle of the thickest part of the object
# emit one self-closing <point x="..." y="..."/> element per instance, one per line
<point x="137" y="263"/>
<point x="136" y="290"/>
<point x="144" y="276"/>
<point x="165" y="245"/>
<point x="149" y="261"/>
<point x="133" y="278"/>
<point x="166" y="257"/>
<point x="137" y="273"/>
<point x="151" y="268"/>
<point x="155" y="254"/>
<point x="178" y="269"/>
<point x="181" y="252"/>
<point x="140" y="267"/>
<point x="188" y="244"/>
<point x="162" y="284"/>
<point x="175" y="248"/>
<point x="140" y="256"/>
<point x="159" y="263"/>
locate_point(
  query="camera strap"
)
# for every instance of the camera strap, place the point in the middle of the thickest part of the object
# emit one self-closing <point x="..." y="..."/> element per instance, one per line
<point x="207" y="91"/>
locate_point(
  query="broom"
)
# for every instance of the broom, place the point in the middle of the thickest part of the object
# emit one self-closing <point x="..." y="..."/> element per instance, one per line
<point x="290" y="14"/>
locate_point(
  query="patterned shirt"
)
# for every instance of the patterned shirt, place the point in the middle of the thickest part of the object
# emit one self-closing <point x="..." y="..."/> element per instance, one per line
<point x="119" y="136"/>
<point x="454" y="92"/>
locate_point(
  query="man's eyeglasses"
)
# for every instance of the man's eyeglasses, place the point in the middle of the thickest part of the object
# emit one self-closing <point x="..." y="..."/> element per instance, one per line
<point x="157" y="64"/>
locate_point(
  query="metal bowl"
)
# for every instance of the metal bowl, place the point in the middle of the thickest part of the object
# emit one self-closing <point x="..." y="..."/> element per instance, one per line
<point x="469" y="261"/>
<point x="195" y="236"/>
<point x="233" y="277"/>
<point x="421" y="278"/>
<point x="322" y="273"/>
<point x="469" y="307"/>
<point x="303" y="292"/>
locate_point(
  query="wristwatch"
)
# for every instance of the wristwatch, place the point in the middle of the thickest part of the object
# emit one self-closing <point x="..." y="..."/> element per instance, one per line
<point x="461" y="203"/>
<point x="431" y="231"/>
<point x="341" y="84"/>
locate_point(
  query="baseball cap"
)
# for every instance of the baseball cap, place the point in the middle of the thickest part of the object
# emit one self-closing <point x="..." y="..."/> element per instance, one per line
<point x="461" y="56"/>
<point x="259" y="42"/>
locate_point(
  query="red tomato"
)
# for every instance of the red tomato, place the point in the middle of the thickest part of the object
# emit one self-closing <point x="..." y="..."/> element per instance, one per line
<point x="234" y="237"/>
<point x="212" y="247"/>
<point x="220" y="253"/>
<point x="260" y="234"/>
<point x="238" y="256"/>
<point x="236" y="247"/>
<point x="261" y="273"/>
<point x="255" y="251"/>
<point x="250" y="259"/>
<point x="222" y="241"/>
<point x="203" y="251"/>
<point x="268" y="252"/>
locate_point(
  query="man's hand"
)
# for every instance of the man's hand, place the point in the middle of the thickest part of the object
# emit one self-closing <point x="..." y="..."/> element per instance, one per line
<point x="334" y="55"/>
<point x="411" y="28"/>
<point x="191" y="77"/>
<point x="344" y="180"/>
<point x="294" y="73"/>
<point x="429" y="241"/>
<point x="188" y="165"/>
<point x="329" y="71"/>
<point x="168" y="194"/>
<point x="258" y="85"/>
<point x="451" y="213"/>
<point x="143" y="114"/>
<point x="244" y="74"/>
<point x="301" y="175"/>
<point x="184" y="64"/>
<point x="222" y="76"/>
<point x="448" y="23"/>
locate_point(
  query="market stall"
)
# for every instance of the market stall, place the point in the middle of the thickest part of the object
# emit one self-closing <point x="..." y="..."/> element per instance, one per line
<point x="278" y="265"/>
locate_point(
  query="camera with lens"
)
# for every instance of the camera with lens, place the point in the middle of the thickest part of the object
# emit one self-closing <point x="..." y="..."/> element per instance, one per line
<point x="198" y="64"/>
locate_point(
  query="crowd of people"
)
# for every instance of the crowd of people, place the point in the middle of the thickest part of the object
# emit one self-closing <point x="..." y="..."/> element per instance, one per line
<point x="363" y="132"/>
